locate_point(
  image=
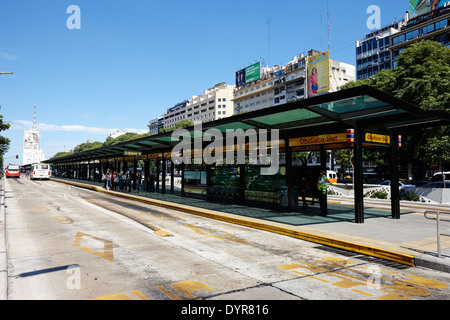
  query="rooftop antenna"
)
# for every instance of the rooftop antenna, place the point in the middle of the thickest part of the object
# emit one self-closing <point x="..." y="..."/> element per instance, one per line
<point x="34" y="119"/>
<point x="329" y="25"/>
<point x="268" y="21"/>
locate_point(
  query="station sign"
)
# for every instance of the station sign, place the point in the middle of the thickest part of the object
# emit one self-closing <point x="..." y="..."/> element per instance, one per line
<point x="348" y="137"/>
<point x="315" y="140"/>
<point x="132" y="153"/>
<point x="378" y="138"/>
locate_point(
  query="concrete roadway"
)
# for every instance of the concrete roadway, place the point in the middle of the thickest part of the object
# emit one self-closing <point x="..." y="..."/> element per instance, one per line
<point x="68" y="243"/>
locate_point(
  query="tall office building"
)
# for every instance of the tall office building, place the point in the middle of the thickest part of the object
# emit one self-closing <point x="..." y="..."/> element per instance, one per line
<point x="373" y="54"/>
<point x="381" y="49"/>
<point x="433" y="25"/>
<point x="32" y="152"/>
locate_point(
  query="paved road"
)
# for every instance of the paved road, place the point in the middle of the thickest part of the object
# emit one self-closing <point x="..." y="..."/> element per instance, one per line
<point x="69" y="243"/>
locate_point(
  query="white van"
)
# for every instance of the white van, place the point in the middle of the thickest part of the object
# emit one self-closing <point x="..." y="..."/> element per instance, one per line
<point x="40" y="171"/>
<point x="438" y="176"/>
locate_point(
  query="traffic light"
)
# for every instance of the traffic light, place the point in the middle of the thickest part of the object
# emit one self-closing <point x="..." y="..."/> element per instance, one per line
<point x="17" y="156"/>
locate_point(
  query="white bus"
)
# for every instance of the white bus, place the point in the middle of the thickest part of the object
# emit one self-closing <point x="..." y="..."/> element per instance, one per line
<point x="40" y="171"/>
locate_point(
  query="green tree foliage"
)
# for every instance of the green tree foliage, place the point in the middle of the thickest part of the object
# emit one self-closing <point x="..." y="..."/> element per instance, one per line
<point x="179" y="125"/>
<point x="4" y="142"/>
<point x="109" y="142"/>
<point x="87" y="146"/>
<point x="422" y="78"/>
<point x="438" y="151"/>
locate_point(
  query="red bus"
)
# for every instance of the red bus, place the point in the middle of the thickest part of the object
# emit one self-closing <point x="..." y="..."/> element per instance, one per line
<point x="12" y="171"/>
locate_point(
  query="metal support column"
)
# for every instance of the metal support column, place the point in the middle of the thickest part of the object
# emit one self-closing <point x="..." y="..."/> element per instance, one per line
<point x="134" y="174"/>
<point x="395" y="186"/>
<point x="163" y="174"/>
<point x="358" y="176"/>
<point x="183" y="193"/>
<point x="172" y="175"/>
<point x="290" y="188"/>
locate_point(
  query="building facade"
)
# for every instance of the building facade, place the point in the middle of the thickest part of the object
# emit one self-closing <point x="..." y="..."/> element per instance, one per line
<point x="32" y="152"/>
<point x="434" y="26"/>
<point x="381" y="49"/>
<point x="174" y="114"/>
<point x="215" y="103"/>
<point x="288" y="83"/>
<point x="373" y="54"/>
<point x="155" y="125"/>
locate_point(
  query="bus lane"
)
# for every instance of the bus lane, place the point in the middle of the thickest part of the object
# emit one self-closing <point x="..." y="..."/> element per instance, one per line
<point x="70" y="243"/>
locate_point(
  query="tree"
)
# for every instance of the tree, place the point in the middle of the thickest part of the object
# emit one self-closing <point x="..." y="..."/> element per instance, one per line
<point x="124" y="138"/>
<point x="61" y="154"/>
<point x="87" y="146"/>
<point x="438" y="151"/>
<point x="4" y="142"/>
<point x="179" y="125"/>
<point x="422" y="77"/>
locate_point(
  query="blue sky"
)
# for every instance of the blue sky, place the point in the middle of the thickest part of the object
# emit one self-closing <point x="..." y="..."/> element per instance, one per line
<point x="131" y="60"/>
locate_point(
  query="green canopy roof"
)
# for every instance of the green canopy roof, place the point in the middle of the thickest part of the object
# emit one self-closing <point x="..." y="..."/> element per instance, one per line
<point x="362" y="108"/>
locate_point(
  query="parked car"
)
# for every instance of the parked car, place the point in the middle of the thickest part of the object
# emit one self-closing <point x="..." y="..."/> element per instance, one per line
<point x="438" y="176"/>
<point x="402" y="184"/>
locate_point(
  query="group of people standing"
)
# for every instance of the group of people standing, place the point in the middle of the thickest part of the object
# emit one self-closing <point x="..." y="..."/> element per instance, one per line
<point x="316" y="189"/>
<point x="121" y="181"/>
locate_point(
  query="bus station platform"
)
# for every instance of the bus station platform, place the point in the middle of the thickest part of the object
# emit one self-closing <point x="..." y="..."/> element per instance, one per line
<point x="411" y="240"/>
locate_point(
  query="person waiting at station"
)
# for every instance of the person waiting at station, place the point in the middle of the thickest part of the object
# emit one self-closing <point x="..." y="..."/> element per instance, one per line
<point x="303" y="187"/>
<point x="322" y="186"/>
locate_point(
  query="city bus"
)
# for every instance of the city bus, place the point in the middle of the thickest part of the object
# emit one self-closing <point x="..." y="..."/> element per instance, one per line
<point x="40" y="171"/>
<point x="12" y="171"/>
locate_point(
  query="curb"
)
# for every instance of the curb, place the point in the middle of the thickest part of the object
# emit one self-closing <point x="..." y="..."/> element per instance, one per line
<point x="257" y="224"/>
<point x="3" y="250"/>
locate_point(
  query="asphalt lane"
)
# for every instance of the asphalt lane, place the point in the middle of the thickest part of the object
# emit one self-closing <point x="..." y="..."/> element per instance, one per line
<point x="68" y="243"/>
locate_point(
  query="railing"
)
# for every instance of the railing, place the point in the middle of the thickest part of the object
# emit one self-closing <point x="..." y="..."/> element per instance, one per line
<point x="437" y="217"/>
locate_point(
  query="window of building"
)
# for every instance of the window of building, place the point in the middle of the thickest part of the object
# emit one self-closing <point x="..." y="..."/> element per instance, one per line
<point x="441" y="24"/>
<point x="398" y="39"/>
<point x="412" y="35"/>
<point x="428" y="29"/>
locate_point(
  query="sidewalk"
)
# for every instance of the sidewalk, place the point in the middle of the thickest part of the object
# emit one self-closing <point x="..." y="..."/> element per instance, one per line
<point x="412" y="240"/>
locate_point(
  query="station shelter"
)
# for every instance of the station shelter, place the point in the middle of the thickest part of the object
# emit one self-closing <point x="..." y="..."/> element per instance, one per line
<point x="356" y="118"/>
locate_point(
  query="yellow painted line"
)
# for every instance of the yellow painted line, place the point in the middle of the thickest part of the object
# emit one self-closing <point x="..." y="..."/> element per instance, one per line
<point x="171" y="295"/>
<point x="335" y="243"/>
<point x="107" y="253"/>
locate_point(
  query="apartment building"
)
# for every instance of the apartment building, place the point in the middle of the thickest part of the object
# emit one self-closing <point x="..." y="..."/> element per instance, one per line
<point x="215" y="103"/>
<point x="155" y="125"/>
<point x="283" y="84"/>
<point x="258" y="94"/>
<point x="175" y="114"/>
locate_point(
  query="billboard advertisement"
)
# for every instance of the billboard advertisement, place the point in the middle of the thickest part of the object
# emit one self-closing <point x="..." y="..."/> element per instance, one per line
<point x="319" y="74"/>
<point x="249" y="74"/>
<point x="418" y="7"/>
